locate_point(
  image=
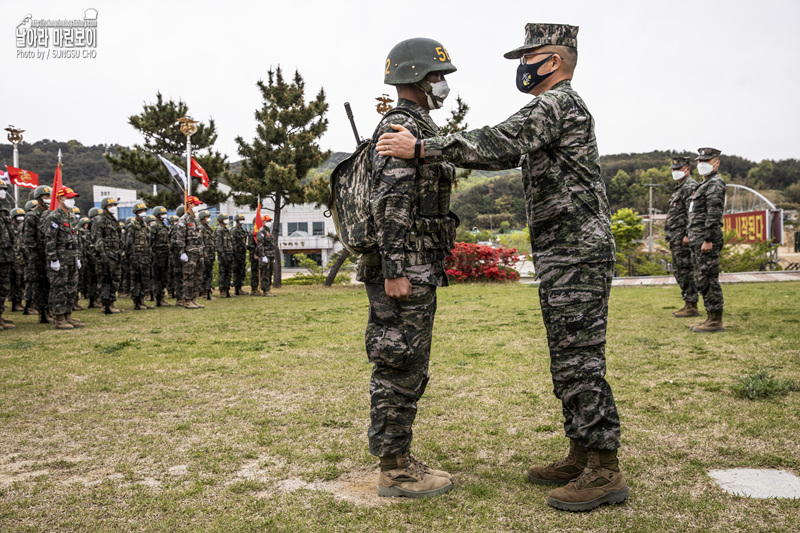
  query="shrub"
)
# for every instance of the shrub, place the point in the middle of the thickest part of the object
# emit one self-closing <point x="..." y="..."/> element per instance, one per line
<point x="473" y="262"/>
<point x="762" y="384"/>
<point x="314" y="279"/>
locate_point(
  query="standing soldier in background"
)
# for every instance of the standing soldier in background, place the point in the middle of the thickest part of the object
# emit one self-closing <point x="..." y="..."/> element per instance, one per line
<point x="254" y="263"/>
<point x="97" y="274"/>
<point x="61" y="249"/>
<point x="18" y="270"/>
<point x="125" y="279"/>
<point x="676" y="230"/>
<point x="8" y="255"/>
<point x="223" y="243"/>
<point x="190" y="244"/>
<point x="175" y="255"/>
<point x="159" y="248"/>
<point x="107" y="240"/>
<point x="137" y="250"/>
<point x="73" y="220"/>
<point x="33" y="243"/>
<point x="706" y="239"/>
<point x="208" y="254"/>
<point x="83" y="281"/>
<point x="265" y="256"/>
<point x="239" y="242"/>
<point x="30" y="304"/>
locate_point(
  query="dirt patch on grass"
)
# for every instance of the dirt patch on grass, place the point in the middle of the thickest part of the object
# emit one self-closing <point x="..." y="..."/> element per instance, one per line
<point x="356" y="487"/>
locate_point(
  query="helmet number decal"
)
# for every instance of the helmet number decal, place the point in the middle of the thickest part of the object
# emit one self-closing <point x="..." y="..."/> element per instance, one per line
<point x="442" y="53"/>
<point x="388" y="63"/>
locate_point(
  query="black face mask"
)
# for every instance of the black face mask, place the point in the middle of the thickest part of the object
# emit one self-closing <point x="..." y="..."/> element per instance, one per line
<point x="528" y="77"/>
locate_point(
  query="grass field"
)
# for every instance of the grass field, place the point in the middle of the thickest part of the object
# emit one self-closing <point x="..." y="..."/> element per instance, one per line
<point x="251" y="415"/>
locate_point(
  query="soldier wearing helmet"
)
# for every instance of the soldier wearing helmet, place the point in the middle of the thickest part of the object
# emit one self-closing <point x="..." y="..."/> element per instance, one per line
<point x="38" y="286"/>
<point x="176" y="265"/>
<point x="88" y="273"/>
<point x="8" y="256"/>
<point x="255" y="269"/>
<point x="108" y="247"/>
<point x="239" y="243"/>
<point x="265" y="253"/>
<point x="191" y="247"/>
<point x="223" y="245"/>
<point x="18" y="270"/>
<point x="159" y="248"/>
<point x="137" y="248"/>
<point x="208" y="254"/>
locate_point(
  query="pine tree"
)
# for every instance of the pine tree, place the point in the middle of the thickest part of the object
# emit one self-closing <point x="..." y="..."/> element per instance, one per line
<point x="158" y="123"/>
<point x="284" y="149"/>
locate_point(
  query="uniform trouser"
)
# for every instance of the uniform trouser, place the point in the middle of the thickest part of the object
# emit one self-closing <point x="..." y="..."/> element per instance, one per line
<point x="5" y="283"/>
<point x="398" y="341"/>
<point x="140" y="280"/>
<point x="192" y="275"/>
<point x="39" y="283"/>
<point x="706" y="272"/>
<point x="160" y="271"/>
<point x="683" y="267"/>
<point x="239" y="269"/>
<point x="224" y="275"/>
<point x="574" y="301"/>
<point x="110" y="278"/>
<point x="125" y="279"/>
<point x="63" y="288"/>
<point x="208" y="274"/>
<point x="265" y="272"/>
<point x="177" y="275"/>
<point x="17" y="281"/>
<point x="89" y="271"/>
<point x="254" y="261"/>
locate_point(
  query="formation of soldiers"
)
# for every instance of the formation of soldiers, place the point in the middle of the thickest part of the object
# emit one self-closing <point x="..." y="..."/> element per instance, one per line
<point x="49" y="258"/>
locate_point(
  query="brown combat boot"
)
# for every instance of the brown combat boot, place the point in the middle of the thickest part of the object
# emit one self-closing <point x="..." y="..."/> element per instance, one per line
<point x="16" y="306"/>
<point x="712" y="324"/>
<point x="255" y="292"/>
<point x="601" y="482"/>
<point x="77" y="307"/>
<point x="688" y="309"/>
<point x="410" y="481"/>
<point x="61" y="322"/>
<point x="74" y="322"/>
<point x="201" y="306"/>
<point x="115" y="310"/>
<point x="190" y="304"/>
<point x="6" y="323"/>
<point x="180" y="302"/>
<point x="267" y="293"/>
<point x="563" y="471"/>
<point x="428" y="470"/>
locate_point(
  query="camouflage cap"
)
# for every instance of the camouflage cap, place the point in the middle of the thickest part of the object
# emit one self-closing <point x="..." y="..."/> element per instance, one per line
<point x="537" y="35"/>
<point x="679" y="162"/>
<point x="707" y="154"/>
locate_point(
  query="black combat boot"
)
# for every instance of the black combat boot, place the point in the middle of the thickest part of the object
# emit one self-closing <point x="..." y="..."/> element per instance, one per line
<point x="27" y="309"/>
<point x="43" y="316"/>
<point x="107" y="308"/>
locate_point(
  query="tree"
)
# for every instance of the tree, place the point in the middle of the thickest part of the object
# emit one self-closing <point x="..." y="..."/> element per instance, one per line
<point x="626" y="226"/>
<point x="284" y="149"/>
<point x="158" y="123"/>
<point x="456" y="123"/>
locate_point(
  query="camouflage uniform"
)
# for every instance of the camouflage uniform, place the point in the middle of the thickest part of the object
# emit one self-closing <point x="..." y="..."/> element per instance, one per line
<point x="209" y="256"/>
<point x="8" y="256"/>
<point x="137" y="248"/>
<point x="676" y="228"/>
<point x="239" y="242"/>
<point x="189" y="241"/>
<point x="410" y="203"/>
<point x="89" y="260"/>
<point x="265" y="247"/>
<point x="107" y="240"/>
<point x="175" y="261"/>
<point x="61" y="244"/>
<point x="553" y="139"/>
<point x="125" y="264"/>
<point x="18" y="269"/>
<point x="705" y="224"/>
<point x="223" y="243"/>
<point x="33" y="244"/>
<point x="159" y="248"/>
<point x="254" y="262"/>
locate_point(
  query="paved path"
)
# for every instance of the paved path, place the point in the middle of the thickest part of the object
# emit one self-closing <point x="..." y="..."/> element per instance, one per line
<point x="739" y="277"/>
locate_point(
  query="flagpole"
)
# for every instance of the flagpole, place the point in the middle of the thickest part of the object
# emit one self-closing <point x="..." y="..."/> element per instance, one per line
<point x="188" y="127"/>
<point x="15" y="136"/>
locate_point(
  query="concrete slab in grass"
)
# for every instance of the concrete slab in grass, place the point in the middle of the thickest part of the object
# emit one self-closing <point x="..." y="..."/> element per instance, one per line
<point x="758" y="483"/>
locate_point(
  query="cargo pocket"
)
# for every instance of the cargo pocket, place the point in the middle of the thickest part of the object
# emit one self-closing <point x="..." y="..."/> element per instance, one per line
<point x="576" y="317"/>
<point x="388" y="346"/>
<point x="429" y="190"/>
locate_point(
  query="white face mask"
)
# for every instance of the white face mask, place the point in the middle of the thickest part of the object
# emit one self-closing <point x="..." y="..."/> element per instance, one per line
<point x="46" y="201"/>
<point x="69" y="203"/>
<point x="113" y="210"/>
<point x="704" y="168"/>
<point x="225" y="221"/>
<point x="20" y="219"/>
<point x="678" y="174"/>
<point x="437" y="94"/>
<point x="2" y="194"/>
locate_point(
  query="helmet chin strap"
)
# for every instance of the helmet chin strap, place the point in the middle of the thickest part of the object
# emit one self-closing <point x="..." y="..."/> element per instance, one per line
<point x="425" y="87"/>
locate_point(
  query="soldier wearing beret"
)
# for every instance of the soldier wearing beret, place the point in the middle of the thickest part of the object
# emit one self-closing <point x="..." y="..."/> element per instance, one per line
<point x="705" y="237"/>
<point x="61" y="251"/>
<point x="552" y="137"/>
<point x="676" y="229"/>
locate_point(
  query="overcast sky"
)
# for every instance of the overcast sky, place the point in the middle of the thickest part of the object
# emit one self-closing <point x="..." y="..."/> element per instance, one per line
<point x="655" y="75"/>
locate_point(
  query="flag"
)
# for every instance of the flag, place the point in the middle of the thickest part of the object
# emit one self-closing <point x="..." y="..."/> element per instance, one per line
<point x="175" y="170"/>
<point x="23" y="178"/>
<point x="257" y="223"/>
<point x="5" y="178"/>
<point x="56" y="187"/>
<point x="198" y="172"/>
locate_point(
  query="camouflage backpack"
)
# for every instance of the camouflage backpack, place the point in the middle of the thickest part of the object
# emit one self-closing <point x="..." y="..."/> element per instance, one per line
<point x="350" y="202"/>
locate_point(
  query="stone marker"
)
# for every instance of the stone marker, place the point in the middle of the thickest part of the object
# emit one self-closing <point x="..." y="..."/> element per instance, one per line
<point x="756" y="483"/>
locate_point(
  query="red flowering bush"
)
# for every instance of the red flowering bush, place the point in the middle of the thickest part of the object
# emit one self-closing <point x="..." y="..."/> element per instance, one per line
<point x="473" y="262"/>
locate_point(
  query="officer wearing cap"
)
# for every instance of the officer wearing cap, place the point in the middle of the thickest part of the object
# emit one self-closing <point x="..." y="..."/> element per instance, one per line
<point x="63" y="261"/>
<point x="239" y="242"/>
<point x="18" y="268"/>
<point x="223" y="245"/>
<point x="676" y="231"/>
<point x="706" y="239"/>
<point x="265" y="254"/>
<point x="191" y="247"/>
<point x="33" y="244"/>
<point x="174" y="256"/>
<point x="159" y="248"/>
<point x="209" y="254"/>
<point x="8" y="246"/>
<point x="552" y="138"/>
<point x="108" y="247"/>
<point x="137" y="248"/>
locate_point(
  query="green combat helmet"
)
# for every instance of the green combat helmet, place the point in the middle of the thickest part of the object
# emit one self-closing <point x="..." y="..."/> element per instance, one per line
<point x="411" y="60"/>
<point x="108" y="202"/>
<point x="149" y="218"/>
<point x="17" y="212"/>
<point x="30" y="205"/>
<point x="159" y="210"/>
<point x="3" y="185"/>
<point x="203" y="214"/>
<point x="93" y="212"/>
<point x="139" y="207"/>
<point x="76" y="211"/>
<point x="41" y="190"/>
<point x="82" y="222"/>
<point x="180" y="211"/>
<point x="173" y="219"/>
<point x="221" y="218"/>
<point x="240" y="217"/>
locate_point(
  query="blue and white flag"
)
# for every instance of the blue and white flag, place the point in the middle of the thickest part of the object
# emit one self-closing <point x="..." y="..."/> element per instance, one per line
<point x="5" y="177"/>
<point x="175" y="170"/>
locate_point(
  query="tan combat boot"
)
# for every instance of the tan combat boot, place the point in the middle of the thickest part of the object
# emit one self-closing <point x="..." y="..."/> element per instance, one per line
<point x="190" y="304"/>
<point x="61" y="322"/>
<point x="267" y="293"/>
<point x="255" y="292"/>
<point x="601" y="482"/>
<point x="77" y="306"/>
<point x="6" y="323"/>
<point x="563" y="471"/>
<point x="688" y="309"/>
<point x="194" y="301"/>
<point x="180" y="302"/>
<point x="410" y="481"/>
<point x="428" y="470"/>
<point x="712" y="324"/>
<point x="74" y="322"/>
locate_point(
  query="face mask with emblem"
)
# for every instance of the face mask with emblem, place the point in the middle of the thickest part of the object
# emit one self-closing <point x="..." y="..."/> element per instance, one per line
<point x="528" y="75"/>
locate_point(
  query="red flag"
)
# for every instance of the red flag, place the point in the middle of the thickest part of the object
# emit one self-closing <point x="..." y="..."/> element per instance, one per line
<point x="56" y="187"/>
<point x="198" y="172"/>
<point x="23" y="178"/>
<point x="257" y="223"/>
